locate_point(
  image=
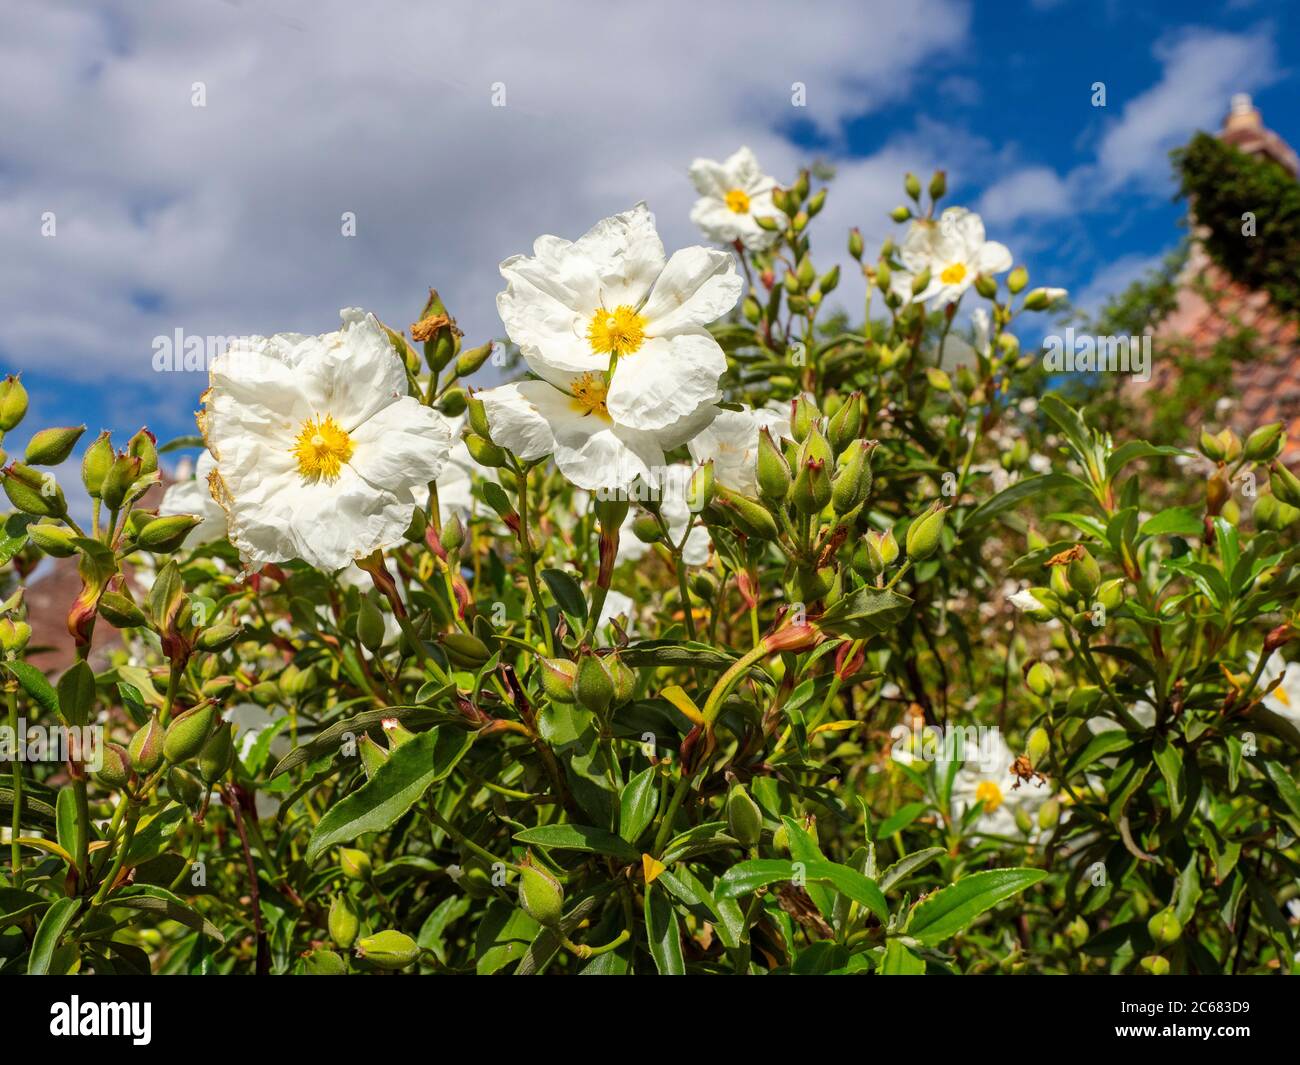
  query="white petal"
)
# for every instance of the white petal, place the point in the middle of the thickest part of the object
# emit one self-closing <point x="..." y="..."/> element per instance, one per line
<point x="697" y="287"/>
<point x="993" y="258"/>
<point x="402" y="446"/>
<point x="666" y="380"/>
<point x="515" y="422"/>
<point x="627" y="255"/>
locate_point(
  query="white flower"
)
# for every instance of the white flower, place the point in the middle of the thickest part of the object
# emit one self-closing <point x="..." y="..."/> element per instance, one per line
<point x="731" y="442"/>
<point x="733" y="194"/>
<point x="1026" y="600"/>
<point x="954" y="250"/>
<point x="616" y="605"/>
<point x="318" y="446"/>
<point x="191" y="495"/>
<point x="456" y="481"/>
<point x="986" y="778"/>
<point x="611" y="299"/>
<point x="1284" y="700"/>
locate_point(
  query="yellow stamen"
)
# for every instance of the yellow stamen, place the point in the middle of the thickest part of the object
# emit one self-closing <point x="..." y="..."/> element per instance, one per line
<point x="321" y="448"/>
<point x="738" y="201"/>
<point x="589" y="392"/>
<point x="1279" y="693"/>
<point x="620" y="331"/>
<point x="987" y="792"/>
<point x="953" y="274"/>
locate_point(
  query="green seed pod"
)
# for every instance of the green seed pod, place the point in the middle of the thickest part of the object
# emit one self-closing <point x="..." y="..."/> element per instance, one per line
<point x="1265" y="443"/>
<point x="593" y="687"/>
<point x="855" y="243"/>
<point x="34" y="492"/>
<point x="354" y="864"/>
<point x="14" y="635"/>
<point x="167" y="533"/>
<point x="1084" y="575"/>
<point x="744" y="818"/>
<point x="803" y="417"/>
<point x="845" y="426"/>
<point x="924" y="533"/>
<point x="1077" y="931"/>
<point x="751" y="310"/>
<point x="852" y="482"/>
<point x="465" y="650"/>
<point x="372" y="755"/>
<point x="469" y="361"/>
<point x="912" y="185"/>
<point x="1038" y="744"/>
<point x="265" y="693"/>
<point x="1023" y="820"/>
<point x="1285" y="484"/>
<point x="370" y="625"/>
<point x="115" y="772"/>
<point x="184" y="787"/>
<point x="702" y="487"/>
<point x="146" y="747"/>
<point x="484" y="452"/>
<point x="344" y="923"/>
<point x="1017" y="280"/>
<point x="187" y="733"/>
<point x="557" y="678"/>
<point x="1110" y="594"/>
<point x="95" y="463"/>
<point x="1048" y="814"/>
<point x="938" y="184"/>
<point x="1211" y="446"/>
<point x="453" y="536"/>
<point x="749" y="516"/>
<point x="646" y="529"/>
<point x="773" y="471"/>
<point x="395" y="733"/>
<point x="1270" y="513"/>
<point x="388" y="949"/>
<point x="218" y="754"/>
<point x="144" y="446"/>
<point x="540" y="895"/>
<point x="1040" y="679"/>
<point x="453" y="402"/>
<point x="811" y="490"/>
<point x="13" y="403"/>
<point x="53" y="540"/>
<point x="122" y="474"/>
<point x="1155" y="965"/>
<point x="218" y="637"/>
<point x="1059" y="584"/>
<point x="1165" y="927"/>
<point x="322" y="962"/>
<point x="49" y="447"/>
<point x="624" y="680"/>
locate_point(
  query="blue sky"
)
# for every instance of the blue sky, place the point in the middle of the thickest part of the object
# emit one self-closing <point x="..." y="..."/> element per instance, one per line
<point x="224" y="219"/>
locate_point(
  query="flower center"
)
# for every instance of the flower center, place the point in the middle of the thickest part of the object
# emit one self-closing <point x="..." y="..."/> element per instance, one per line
<point x="738" y="201"/>
<point x="589" y="394"/>
<point x="1279" y="693"/>
<point x="953" y="274"/>
<point x="617" y="332"/>
<point x="987" y="792"/>
<point x="321" y="448"/>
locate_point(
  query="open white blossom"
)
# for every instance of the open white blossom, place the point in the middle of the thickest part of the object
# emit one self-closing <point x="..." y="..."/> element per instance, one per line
<point x="955" y="252"/>
<point x="731" y="442"/>
<point x="616" y="333"/>
<point x="317" y="444"/>
<point x="1284" y="700"/>
<point x="733" y="195"/>
<point x="191" y="495"/>
<point x="677" y="515"/>
<point x="986" y="778"/>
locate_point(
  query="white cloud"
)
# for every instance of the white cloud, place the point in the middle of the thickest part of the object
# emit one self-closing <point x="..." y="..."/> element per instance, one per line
<point x="1113" y="278"/>
<point x="1033" y="192"/>
<point x="225" y="219"/>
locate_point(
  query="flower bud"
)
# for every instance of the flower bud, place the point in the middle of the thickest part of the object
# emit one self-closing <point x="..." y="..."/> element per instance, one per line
<point x="1155" y="965"/>
<point x="1270" y="513"/>
<point x="540" y="895"/>
<point x="370" y="625"/>
<point x="1039" y="742"/>
<point x="484" y="452"/>
<point x="14" y="636"/>
<point x="1017" y="280"/>
<point x="845" y="426"/>
<point x="372" y="755"/>
<point x="144" y="446"/>
<point x="624" y="679"/>
<point x="751" y="310"/>
<point x="187" y="733"/>
<point x="322" y="962"/>
<point x="773" y="471"/>
<point x="749" y="516"/>
<point x="921" y="281"/>
<point x="884" y="275"/>
<point x="938" y="184"/>
<point x="13" y="403"/>
<point x="924" y="533"/>
<point x="827" y="283"/>
<point x="469" y="361"/>
<point x="1040" y="679"/>
<point x="1042" y="298"/>
<point x="115" y="770"/>
<point x="1084" y="575"/>
<point x="388" y="949"/>
<point x="1110" y="594"/>
<point x="184" y="788"/>
<point x="855" y="243"/>
<point x="852" y="482"/>
<point x="1023" y="821"/>
<point x="117" y="483"/>
<point x="646" y="529"/>
<point x="453" y="402"/>
<point x="1165" y="928"/>
<point x="344" y="923"/>
<point x="1049" y="814"/>
<point x="396" y="733"/>
<point x="744" y="818"/>
<point x="803" y="417"/>
<point x="465" y="649"/>
<point x="811" y="490"/>
<point x="354" y="864"/>
<point x="216" y="638"/>
<point x="1285" y="485"/>
<point x="54" y="540"/>
<point x="146" y="747"/>
<point x="218" y="754"/>
<point x="558" y="678"/>
<point x="95" y="463"/>
<point x="986" y="285"/>
<point x="49" y="447"/>
<point x="912" y="185"/>
<point x="478" y="420"/>
<point x="900" y="214"/>
<point x="793" y="638"/>
<point x="593" y="687"/>
<point x="33" y="492"/>
<point x="1266" y="443"/>
<point x="166" y="533"/>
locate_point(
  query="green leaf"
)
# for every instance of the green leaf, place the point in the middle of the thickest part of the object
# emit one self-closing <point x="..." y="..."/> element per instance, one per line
<point x="397" y="785"/>
<point x="674" y="653"/>
<point x="52" y="926"/>
<point x="951" y="909"/>
<point x="13" y="535"/>
<point x="1176" y="521"/>
<point x="69" y="827"/>
<point x="1025" y="488"/>
<point x="865" y="613"/>
<point x="327" y="740"/>
<point x="180" y="443"/>
<point x="157" y="900"/>
<point x="1099" y="746"/>
<point x="908" y="864"/>
<point x="1169" y="761"/>
<point x="900" y="819"/>
<point x="579" y="838"/>
<point x="900" y="961"/>
<point x="749" y="876"/>
<point x="637" y="804"/>
<point x="153" y="834"/>
<point x="34" y="684"/>
<point x="76" y="693"/>
<point x="1285" y="785"/>
<point x="663" y="933"/>
<point x="566" y="592"/>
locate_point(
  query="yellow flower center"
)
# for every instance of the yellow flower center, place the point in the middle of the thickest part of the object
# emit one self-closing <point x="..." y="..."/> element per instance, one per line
<point x="321" y="448"/>
<point x="617" y="332"/>
<point x="953" y="274"/>
<point x="738" y="201"/>
<point x="1279" y="693"/>
<point x="589" y="392"/>
<point x="987" y="792"/>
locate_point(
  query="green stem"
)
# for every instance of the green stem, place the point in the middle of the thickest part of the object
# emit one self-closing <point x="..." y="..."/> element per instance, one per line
<point x="15" y="851"/>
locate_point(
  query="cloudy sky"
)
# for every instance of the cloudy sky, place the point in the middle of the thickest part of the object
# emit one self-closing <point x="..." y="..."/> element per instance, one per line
<point x="227" y="218"/>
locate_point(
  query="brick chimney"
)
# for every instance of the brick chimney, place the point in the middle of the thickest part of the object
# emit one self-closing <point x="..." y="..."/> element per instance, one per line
<point x="1244" y="129"/>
